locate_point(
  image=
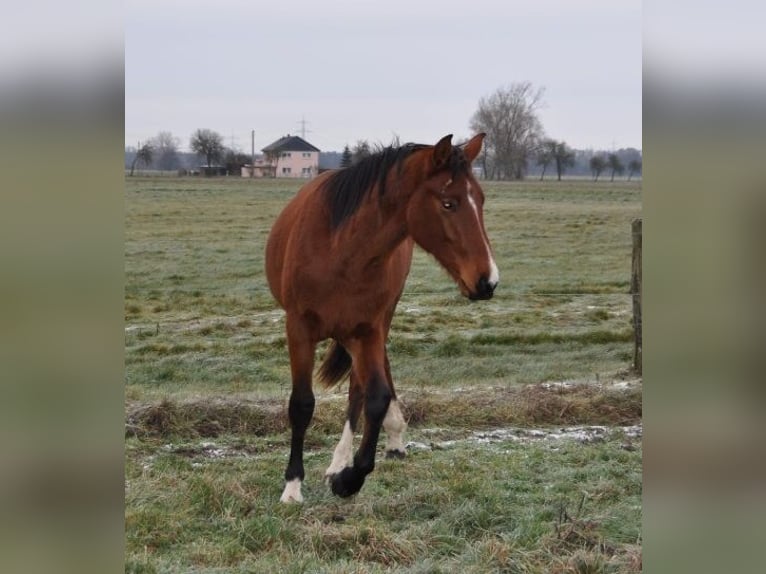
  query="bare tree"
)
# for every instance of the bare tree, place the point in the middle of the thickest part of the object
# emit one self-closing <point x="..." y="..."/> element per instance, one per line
<point x="233" y="160"/>
<point x="509" y="118"/>
<point x="634" y="166"/>
<point x="545" y="155"/>
<point x="614" y="163"/>
<point x="564" y="158"/>
<point x="597" y="165"/>
<point x="207" y="143"/>
<point x="360" y="151"/>
<point x="165" y="146"/>
<point x="143" y="156"/>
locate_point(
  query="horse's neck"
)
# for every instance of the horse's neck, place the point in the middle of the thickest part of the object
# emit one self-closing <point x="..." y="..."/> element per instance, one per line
<point x="380" y="226"/>
<point x="376" y="233"/>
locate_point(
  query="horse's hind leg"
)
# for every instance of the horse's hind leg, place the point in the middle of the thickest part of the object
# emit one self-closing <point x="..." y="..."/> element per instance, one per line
<point x="301" y="407"/>
<point x="394" y="423"/>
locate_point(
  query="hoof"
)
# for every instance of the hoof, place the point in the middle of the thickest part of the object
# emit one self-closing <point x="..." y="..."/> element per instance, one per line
<point x="292" y="492"/>
<point x="330" y="475"/>
<point x="398" y="454"/>
<point x="346" y="482"/>
<point x="333" y="471"/>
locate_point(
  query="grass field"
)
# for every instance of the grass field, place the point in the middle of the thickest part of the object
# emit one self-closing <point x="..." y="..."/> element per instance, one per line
<point x="207" y="379"/>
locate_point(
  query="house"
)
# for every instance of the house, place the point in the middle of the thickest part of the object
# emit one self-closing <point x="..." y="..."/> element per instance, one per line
<point x="292" y="156"/>
<point x="261" y="168"/>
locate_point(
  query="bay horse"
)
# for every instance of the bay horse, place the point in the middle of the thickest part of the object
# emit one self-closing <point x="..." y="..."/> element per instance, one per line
<point x="337" y="259"/>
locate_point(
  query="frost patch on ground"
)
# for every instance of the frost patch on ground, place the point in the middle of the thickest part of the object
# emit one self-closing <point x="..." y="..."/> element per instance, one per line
<point x="581" y="433"/>
<point x="617" y="385"/>
<point x="609" y="383"/>
<point x="205" y="452"/>
<point x="209" y="450"/>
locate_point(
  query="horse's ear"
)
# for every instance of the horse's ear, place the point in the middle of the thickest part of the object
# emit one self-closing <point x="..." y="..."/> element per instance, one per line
<point x="472" y="147"/>
<point x="442" y="151"/>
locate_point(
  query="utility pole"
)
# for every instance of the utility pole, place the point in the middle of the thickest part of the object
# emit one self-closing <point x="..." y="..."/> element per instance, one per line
<point x="252" y="153"/>
<point x="303" y="123"/>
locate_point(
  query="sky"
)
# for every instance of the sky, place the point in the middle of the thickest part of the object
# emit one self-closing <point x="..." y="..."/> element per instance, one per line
<point x="376" y="70"/>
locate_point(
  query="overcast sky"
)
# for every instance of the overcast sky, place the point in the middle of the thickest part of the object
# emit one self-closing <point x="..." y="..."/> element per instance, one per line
<point x="373" y="70"/>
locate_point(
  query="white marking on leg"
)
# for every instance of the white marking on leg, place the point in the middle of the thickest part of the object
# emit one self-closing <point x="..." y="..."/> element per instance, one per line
<point x="394" y="425"/>
<point x="494" y="273"/>
<point x="292" y="491"/>
<point x="343" y="455"/>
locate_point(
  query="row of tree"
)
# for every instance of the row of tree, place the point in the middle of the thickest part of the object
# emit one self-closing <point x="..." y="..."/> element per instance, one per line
<point x="516" y="138"/>
<point x="161" y="152"/>
<point x="515" y="147"/>
<point x="549" y="153"/>
<point x="562" y="157"/>
<point x="599" y="163"/>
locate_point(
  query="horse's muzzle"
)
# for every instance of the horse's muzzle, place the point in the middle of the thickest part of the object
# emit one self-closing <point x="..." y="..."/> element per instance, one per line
<point x="483" y="291"/>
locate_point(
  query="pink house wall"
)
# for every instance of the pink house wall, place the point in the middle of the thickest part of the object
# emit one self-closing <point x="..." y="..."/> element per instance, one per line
<point x="298" y="164"/>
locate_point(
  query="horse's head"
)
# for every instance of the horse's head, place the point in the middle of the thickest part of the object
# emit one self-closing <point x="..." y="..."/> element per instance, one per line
<point x="445" y="216"/>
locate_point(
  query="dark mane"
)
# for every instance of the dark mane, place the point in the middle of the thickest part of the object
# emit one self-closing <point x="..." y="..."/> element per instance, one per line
<point x="346" y="188"/>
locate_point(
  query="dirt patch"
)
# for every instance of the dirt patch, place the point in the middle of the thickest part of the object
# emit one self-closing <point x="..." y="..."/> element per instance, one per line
<point x="605" y="405"/>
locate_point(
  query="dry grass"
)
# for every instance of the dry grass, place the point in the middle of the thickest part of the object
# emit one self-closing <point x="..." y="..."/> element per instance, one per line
<point x="529" y="405"/>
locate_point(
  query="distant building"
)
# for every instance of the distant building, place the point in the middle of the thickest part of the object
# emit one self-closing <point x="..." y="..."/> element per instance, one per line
<point x="290" y="156"/>
<point x="262" y="168"/>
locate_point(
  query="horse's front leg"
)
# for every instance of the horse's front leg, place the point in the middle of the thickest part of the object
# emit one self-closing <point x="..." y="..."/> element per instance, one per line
<point x="301" y="406"/>
<point x="343" y="455"/>
<point x="368" y="353"/>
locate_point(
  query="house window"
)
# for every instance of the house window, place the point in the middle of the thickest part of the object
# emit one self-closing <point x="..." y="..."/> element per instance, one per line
<point x="286" y="154"/>
<point x="286" y="170"/>
<point x="306" y="154"/>
<point x="306" y="172"/>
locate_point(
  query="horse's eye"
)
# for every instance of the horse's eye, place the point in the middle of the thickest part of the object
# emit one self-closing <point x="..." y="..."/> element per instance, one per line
<point x="449" y="205"/>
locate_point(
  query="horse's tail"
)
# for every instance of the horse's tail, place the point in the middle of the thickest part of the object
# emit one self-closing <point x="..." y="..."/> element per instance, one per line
<point x="335" y="365"/>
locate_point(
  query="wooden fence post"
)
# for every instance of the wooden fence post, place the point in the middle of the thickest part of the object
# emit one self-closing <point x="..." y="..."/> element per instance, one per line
<point x="635" y="289"/>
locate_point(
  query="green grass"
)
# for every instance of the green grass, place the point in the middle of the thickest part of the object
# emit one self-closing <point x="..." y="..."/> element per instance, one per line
<point x="510" y="508"/>
<point x="206" y="360"/>
<point x="199" y="315"/>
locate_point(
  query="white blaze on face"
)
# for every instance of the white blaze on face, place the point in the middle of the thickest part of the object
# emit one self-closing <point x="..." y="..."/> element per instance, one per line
<point x="494" y="273"/>
<point x="292" y="491"/>
<point x="343" y="455"/>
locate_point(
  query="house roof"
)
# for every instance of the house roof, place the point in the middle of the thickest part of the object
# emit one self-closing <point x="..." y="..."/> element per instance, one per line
<point x="290" y="143"/>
